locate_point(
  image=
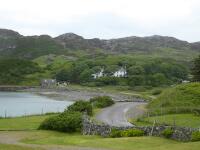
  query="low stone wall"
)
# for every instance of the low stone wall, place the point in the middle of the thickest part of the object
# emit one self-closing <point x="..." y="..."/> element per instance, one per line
<point x="92" y="128"/>
<point x="180" y="133"/>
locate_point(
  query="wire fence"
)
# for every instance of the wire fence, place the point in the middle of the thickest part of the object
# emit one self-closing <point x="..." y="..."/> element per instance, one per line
<point x="176" y="116"/>
<point x="25" y="113"/>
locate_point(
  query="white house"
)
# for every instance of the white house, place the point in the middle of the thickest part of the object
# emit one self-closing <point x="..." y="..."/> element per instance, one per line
<point x="98" y="74"/>
<point x="120" y="73"/>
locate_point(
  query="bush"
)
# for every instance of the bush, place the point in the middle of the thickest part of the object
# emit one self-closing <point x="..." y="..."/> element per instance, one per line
<point x="167" y="133"/>
<point x="108" y="80"/>
<point x="196" y="112"/>
<point x="132" y="133"/>
<point x="126" y="133"/>
<point x="66" y="122"/>
<point x="156" y="92"/>
<point x="101" y="101"/>
<point x="115" y="133"/>
<point x="81" y="106"/>
<point x="196" y="136"/>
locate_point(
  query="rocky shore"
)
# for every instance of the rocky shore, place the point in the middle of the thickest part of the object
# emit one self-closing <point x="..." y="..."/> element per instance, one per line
<point x="74" y="95"/>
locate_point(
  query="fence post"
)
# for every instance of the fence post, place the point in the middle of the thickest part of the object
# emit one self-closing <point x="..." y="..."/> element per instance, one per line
<point x="5" y="113"/>
<point x="174" y="121"/>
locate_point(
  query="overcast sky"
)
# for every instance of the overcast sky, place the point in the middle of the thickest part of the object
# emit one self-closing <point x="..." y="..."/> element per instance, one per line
<point x="103" y="18"/>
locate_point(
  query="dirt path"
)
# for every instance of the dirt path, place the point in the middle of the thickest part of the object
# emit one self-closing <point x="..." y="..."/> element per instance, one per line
<point x="116" y="115"/>
<point x="14" y="137"/>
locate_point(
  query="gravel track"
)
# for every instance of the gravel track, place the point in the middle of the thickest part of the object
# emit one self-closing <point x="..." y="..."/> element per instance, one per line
<point x="118" y="114"/>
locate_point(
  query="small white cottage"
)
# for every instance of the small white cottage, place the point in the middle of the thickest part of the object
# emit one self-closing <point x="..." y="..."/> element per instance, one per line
<point x="120" y="73"/>
<point x="98" y="74"/>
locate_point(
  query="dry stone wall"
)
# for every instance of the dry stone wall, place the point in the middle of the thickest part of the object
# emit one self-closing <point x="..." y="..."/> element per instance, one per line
<point x="92" y="128"/>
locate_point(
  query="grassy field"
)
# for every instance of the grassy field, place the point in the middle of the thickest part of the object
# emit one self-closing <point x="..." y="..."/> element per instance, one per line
<point x="16" y="147"/>
<point x="51" y="138"/>
<point x="184" y="120"/>
<point x="135" y="143"/>
<point x="22" y="123"/>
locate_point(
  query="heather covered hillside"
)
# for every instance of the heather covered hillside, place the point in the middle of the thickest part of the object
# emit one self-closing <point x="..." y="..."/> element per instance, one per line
<point x="12" y="44"/>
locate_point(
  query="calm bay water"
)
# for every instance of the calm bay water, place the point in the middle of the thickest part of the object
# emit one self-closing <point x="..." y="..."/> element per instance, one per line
<point x="19" y="104"/>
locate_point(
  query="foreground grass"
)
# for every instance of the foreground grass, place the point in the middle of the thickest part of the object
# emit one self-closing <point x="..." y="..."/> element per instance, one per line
<point x="15" y="147"/>
<point x="134" y="143"/>
<point x="22" y="123"/>
<point x="184" y="120"/>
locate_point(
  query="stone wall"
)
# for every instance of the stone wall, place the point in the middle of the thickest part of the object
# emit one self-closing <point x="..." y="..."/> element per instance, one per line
<point x="93" y="128"/>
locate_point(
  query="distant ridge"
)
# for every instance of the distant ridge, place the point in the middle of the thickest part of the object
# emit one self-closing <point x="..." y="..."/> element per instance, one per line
<point x="14" y="44"/>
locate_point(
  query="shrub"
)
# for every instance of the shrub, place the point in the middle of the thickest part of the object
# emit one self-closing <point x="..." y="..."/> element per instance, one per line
<point x="101" y="101"/>
<point x="66" y="122"/>
<point x="196" y="136"/>
<point x="196" y="112"/>
<point x="156" y="92"/>
<point x="132" y="133"/>
<point x="126" y="133"/>
<point x="115" y="133"/>
<point x="81" y="106"/>
<point x="167" y="133"/>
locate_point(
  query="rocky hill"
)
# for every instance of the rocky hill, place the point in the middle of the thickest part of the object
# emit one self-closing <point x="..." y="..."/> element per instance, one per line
<point x="14" y="44"/>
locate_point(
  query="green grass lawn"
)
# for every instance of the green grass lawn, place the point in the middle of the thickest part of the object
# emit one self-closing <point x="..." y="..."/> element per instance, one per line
<point x="16" y="147"/>
<point x="22" y="123"/>
<point x="134" y="143"/>
<point x="184" y="120"/>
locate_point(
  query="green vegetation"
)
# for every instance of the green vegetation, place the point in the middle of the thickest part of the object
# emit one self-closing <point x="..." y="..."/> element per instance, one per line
<point x="71" y="119"/>
<point x="126" y="133"/>
<point x="80" y="106"/>
<point x="196" y="136"/>
<point x="183" y="120"/>
<point x="35" y="46"/>
<point x="22" y="123"/>
<point x="14" y="71"/>
<point x="167" y="133"/>
<point x="101" y="101"/>
<point x="183" y="98"/>
<point x="127" y="143"/>
<point x="151" y="72"/>
<point x="196" y="69"/>
<point x="16" y="147"/>
<point x="67" y="121"/>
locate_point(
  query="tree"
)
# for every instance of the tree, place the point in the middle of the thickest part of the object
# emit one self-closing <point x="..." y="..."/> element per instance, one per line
<point x="86" y="76"/>
<point x="196" y="69"/>
<point x="63" y="75"/>
<point x="136" y="80"/>
<point x="135" y="70"/>
<point x="110" y="70"/>
<point x="156" y="79"/>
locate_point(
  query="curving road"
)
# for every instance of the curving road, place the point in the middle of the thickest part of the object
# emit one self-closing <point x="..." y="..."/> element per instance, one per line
<point x="117" y="114"/>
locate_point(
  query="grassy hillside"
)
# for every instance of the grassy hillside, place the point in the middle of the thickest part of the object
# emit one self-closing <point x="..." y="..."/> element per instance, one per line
<point x="182" y="120"/>
<point x="34" y="46"/>
<point x="178" y="99"/>
<point x="13" y="71"/>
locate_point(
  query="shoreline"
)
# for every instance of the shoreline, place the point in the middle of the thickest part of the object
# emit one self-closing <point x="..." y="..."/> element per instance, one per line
<point x="69" y="94"/>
